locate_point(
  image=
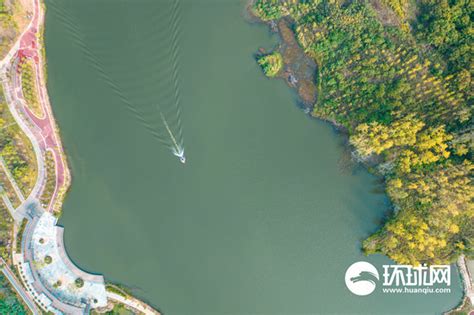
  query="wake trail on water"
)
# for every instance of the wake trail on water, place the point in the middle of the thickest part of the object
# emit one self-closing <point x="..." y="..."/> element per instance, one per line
<point x="75" y="31"/>
<point x="171" y="134"/>
<point x="177" y="141"/>
<point x="176" y="149"/>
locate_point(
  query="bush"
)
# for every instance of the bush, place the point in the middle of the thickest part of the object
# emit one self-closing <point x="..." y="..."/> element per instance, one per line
<point x="79" y="282"/>
<point x="48" y="259"/>
<point x="271" y="64"/>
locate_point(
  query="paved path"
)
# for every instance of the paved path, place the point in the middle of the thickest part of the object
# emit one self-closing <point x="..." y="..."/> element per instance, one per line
<point x="41" y="171"/>
<point x="15" y="105"/>
<point x="19" y="288"/>
<point x="36" y="281"/>
<point x="41" y="131"/>
<point x="29" y="48"/>
<point x="44" y="137"/>
<point x="133" y="303"/>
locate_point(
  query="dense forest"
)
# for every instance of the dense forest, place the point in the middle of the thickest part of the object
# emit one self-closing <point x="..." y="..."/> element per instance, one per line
<point x="397" y="76"/>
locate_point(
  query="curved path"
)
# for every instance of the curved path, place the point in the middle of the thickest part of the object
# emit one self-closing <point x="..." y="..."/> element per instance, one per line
<point x="52" y="285"/>
<point x="132" y="303"/>
<point x="45" y="239"/>
<point x="40" y="280"/>
<point x="46" y="131"/>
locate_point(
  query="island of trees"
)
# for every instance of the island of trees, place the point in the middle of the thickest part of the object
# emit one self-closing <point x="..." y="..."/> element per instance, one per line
<point x="271" y="64"/>
<point x="397" y="76"/>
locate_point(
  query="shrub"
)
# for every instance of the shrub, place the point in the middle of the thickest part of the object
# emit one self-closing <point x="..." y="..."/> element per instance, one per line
<point x="271" y="64"/>
<point x="48" y="259"/>
<point x="79" y="282"/>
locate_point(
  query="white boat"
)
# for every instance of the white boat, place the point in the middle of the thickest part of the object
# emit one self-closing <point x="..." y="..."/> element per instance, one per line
<point x="180" y="154"/>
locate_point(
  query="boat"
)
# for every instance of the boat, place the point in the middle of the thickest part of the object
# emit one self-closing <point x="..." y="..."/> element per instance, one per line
<point x="180" y="154"/>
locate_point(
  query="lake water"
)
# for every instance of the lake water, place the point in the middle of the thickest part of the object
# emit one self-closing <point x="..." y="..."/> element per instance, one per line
<point x="266" y="214"/>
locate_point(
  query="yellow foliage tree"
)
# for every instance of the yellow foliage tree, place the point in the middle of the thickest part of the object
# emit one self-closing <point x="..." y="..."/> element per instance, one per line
<point x="376" y="138"/>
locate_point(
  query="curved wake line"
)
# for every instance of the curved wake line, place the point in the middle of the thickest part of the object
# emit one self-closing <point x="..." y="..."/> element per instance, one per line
<point x="176" y="147"/>
<point x="172" y="55"/>
<point x="176" y="18"/>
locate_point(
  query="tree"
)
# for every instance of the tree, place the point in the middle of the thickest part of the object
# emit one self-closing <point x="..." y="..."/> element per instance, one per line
<point x="271" y="64"/>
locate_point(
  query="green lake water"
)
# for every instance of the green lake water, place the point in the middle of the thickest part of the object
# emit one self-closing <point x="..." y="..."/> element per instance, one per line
<point x="266" y="214"/>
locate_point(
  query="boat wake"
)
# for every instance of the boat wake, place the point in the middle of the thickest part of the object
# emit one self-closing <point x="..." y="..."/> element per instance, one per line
<point x="176" y="143"/>
<point x="162" y="121"/>
<point x="176" y="148"/>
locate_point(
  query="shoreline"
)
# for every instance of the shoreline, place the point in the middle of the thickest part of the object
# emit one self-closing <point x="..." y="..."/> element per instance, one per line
<point x="278" y="28"/>
<point x="42" y="238"/>
<point x="468" y="298"/>
<point x="62" y="190"/>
